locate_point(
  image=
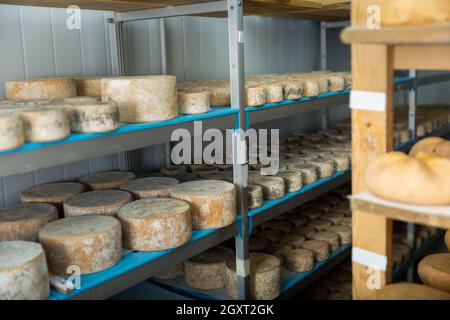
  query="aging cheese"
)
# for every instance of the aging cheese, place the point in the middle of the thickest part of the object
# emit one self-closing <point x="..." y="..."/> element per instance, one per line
<point x="434" y="271"/>
<point x="80" y="100"/>
<point x="23" y="221"/>
<point x="325" y="167"/>
<point x="334" y="217"/>
<point x="436" y="145"/>
<point x="311" y="213"/>
<point x="157" y="187"/>
<point x="296" y="219"/>
<point x="306" y="231"/>
<point x="185" y="177"/>
<point x="344" y="233"/>
<point x="213" y="203"/>
<point x="155" y="224"/>
<point x="107" y="180"/>
<point x="322" y="81"/>
<point x="300" y="260"/>
<point x="292" y="90"/>
<point x="336" y="82"/>
<point x="341" y="162"/>
<point x="320" y="224"/>
<point x="293" y="180"/>
<point x="309" y="172"/>
<point x="45" y="124"/>
<point x="89" y="86"/>
<point x="255" y="196"/>
<point x="194" y="101"/>
<point x="295" y="240"/>
<point x="91" y="243"/>
<point x="11" y="131"/>
<point x="281" y="225"/>
<point x="104" y="202"/>
<point x="447" y="239"/>
<point x="172" y="171"/>
<point x="258" y="244"/>
<point x="93" y="117"/>
<point x="347" y="221"/>
<point x="410" y="291"/>
<point x="23" y="271"/>
<point x="220" y="96"/>
<point x="142" y="98"/>
<point x="41" y="89"/>
<point x="255" y="96"/>
<point x="206" y="271"/>
<point x="271" y="234"/>
<point x="331" y="237"/>
<point x="273" y="92"/>
<point x="310" y="87"/>
<point x="172" y="273"/>
<point x="319" y="247"/>
<point x="279" y="249"/>
<point x="273" y="187"/>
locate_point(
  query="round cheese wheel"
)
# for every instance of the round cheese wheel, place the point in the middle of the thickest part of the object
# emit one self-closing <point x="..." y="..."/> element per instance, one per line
<point x="410" y="291"/>
<point x="172" y="273"/>
<point x="310" y="87"/>
<point x="80" y="100"/>
<point x="258" y="244"/>
<point x="306" y="231"/>
<point x="336" y="83"/>
<point x="107" y="180"/>
<point x="325" y="168"/>
<point x="320" y="248"/>
<point x="220" y="96"/>
<point x="194" y="101"/>
<point x="155" y="224"/>
<point x="271" y="234"/>
<point x="347" y="221"/>
<point x="255" y="96"/>
<point x="435" y="145"/>
<point x="273" y="92"/>
<point x="23" y="221"/>
<point x="341" y="162"/>
<point x="185" y="177"/>
<point x="273" y="187"/>
<point x="309" y="172"/>
<point x="311" y="213"/>
<point x="344" y="233"/>
<point x="213" y="203"/>
<point x="322" y="81"/>
<point x="296" y="219"/>
<point x="142" y="98"/>
<point x="23" y="271"/>
<point x="331" y="237"/>
<point x="300" y="260"/>
<point x="255" y="196"/>
<point x="157" y="187"/>
<point x="265" y="277"/>
<point x="331" y="200"/>
<point x="281" y="225"/>
<point x="39" y="89"/>
<point x="447" y="239"/>
<point x="215" y="175"/>
<point x="334" y="217"/>
<point x="93" y="117"/>
<point x="104" y="202"/>
<point x="293" y="180"/>
<point x="172" y="171"/>
<point x="434" y="271"/>
<point x="92" y="243"/>
<point x="322" y="206"/>
<point x="11" y="131"/>
<point x="279" y="249"/>
<point x="206" y="271"/>
<point x="292" y="90"/>
<point x="89" y="86"/>
<point x="295" y="240"/>
<point x="320" y="224"/>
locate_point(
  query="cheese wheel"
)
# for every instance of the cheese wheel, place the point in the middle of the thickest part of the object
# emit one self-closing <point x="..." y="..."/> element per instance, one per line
<point x="172" y="171"/>
<point x="185" y="177"/>
<point x="322" y="206"/>
<point x="194" y="101"/>
<point x="325" y="168"/>
<point x="11" y="131"/>
<point x="347" y="221"/>
<point x="92" y="243"/>
<point x="434" y="271"/>
<point x="323" y="84"/>
<point x="93" y="117"/>
<point x="171" y="273"/>
<point x="311" y="213"/>
<point x="447" y="239"/>
<point x="331" y="237"/>
<point x="265" y="277"/>
<point x="296" y="219"/>
<point x="40" y="89"/>
<point x="216" y="175"/>
<point x="157" y="187"/>
<point x="213" y="203"/>
<point x="336" y="83"/>
<point x="271" y="234"/>
<point x="104" y="202"/>
<point x="89" y="86"/>
<point x="278" y="247"/>
<point x="341" y="162"/>
<point x="295" y="240"/>
<point x="310" y="87"/>
<point x="300" y="260"/>
<point x="258" y="244"/>
<point x="410" y="291"/>
<point x="142" y="98"/>
<point x="107" y="180"/>
<point x="292" y="90"/>
<point x="255" y="196"/>
<point x="309" y="172"/>
<point x="273" y="92"/>
<point x="155" y="224"/>
<point x="320" y="224"/>
<point x="435" y="145"/>
<point x="255" y="96"/>
<point x="80" y="100"/>
<point x="281" y="225"/>
<point x="23" y="271"/>
<point x="334" y="217"/>
<point x="344" y="233"/>
<point x="206" y="271"/>
<point x="23" y="221"/>
<point x="306" y="231"/>
<point x="293" y="180"/>
<point x="320" y="248"/>
<point x="273" y="187"/>
<point x="220" y="96"/>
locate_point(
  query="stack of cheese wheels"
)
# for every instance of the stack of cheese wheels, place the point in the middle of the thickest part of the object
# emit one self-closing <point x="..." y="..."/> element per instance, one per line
<point x="421" y="180"/>
<point x="265" y="277"/>
<point x="142" y="98"/>
<point x="93" y="117"/>
<point x="40" y="89"/>
<point x="156" y="187"/>
<point x="155" y="224"/>
<point x="220" y="96"/>
<point x="23" y="221"/>
<point x="306" y="231"/>
<point x="213" y="202"/>
<point x="11" y="130"/>
<point x="91" y="243"/>
<point x="193" y="101"/>
<point x="447" y="239"/>
<point x="89" y="86"/>
<point x="273" y="187"/>
<point x="206" y="271"/>
<point x="104" y="202"/>
<point x="107" y="180"/>
<point x="435" y="145"/>
<point x="299" y="260"/>
<point x="171" y="273"/>
<point x="410" y="291"/>
<point x="23" y="271"/>
<point x="434" y="270"/>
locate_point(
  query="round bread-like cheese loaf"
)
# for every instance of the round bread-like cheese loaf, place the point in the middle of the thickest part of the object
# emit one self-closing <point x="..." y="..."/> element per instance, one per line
<point x="213" y="202"/>
<point x="265" y="277"/>
<point x="172" y="273"/>
<point x="331" y="237"/>
<point x="23" y="221"/>
<point x="410" y="291"/>
<point x="293" y="180"/>
<point x="296" y="219"/>
<point x="93" y="117"/>
<point x="104" y="202"/>
<point x="322" y="81"/>
<point x="107" y="180"/>
<point x="142" y="98"/>
<point x="220" y="96"/>
<point x="310" y="87"/>
<point x="434" y="271"/>
<point x="435" y="145"/>
<point x="293" y="239"/>
<point x="258" y="244"/>
<point x="341" y="162"/>
<point x="194" y="101"/>
<point x="309" y="172"/>
<point x="447" y="239"/>
<point x="206" y="271"/>
<point x="292" y="90"/>
<point x="273" y="187"/>
<point x="306" y="231"/>
<point x="336" y="82"/>
<point x="172" y="171"/>
<point x="157" y="187"/>
<point x="11" y="131"/>
<point x="41" y="89"/>
<point x="155" y="224"/>
<point x="320" y="224"/>
<point x="281" y="225"/>
<point x="89" y="86"/>
<point x="23" y="271"/>
<point x="255" y="196"/>
<point x="274" y="92"/>
<point x="300" y="260"/>
<point x="320" y="248"/>
<point x="311" y="213"/>
<point x="271" y="234"/>
<point x="255" y="96"/>
<point x="334" y="217"/>
<point x="80" y="100"/>
<point x="344" y="233"/>
<point x="91" y="243"/>
<point x="325" y="167"/>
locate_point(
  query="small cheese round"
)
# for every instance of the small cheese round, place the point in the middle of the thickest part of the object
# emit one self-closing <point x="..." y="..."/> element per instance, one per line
<point x="300" y="260"/>
<point x="410" y="291"/>
<point x="347" y="221"/>
<point x="311" y="213"/>
<point x="206" y="271"/>
<point x="334" y="217"/>
<point x="89" y="86"/>
<point x="255" y="96"/>
<point x="344" y="233"/>
<point x="331" y="237"/>
<point x="320" y="224"/>
<point x="336" y="83"/>
<point x="447" y="239"/>
<point x="306" y="231"/>
<point x="255" y="196"/>
<point x="40" y="89"/>
<point x="281" y="225"/>
<point x="271" y="234"/>
<point x="341" y="162"/>
<point x="91" y="243"/>
<point x="93" y="117"/>
<point x="213" y="202"/>
<point x="155" y="224"/>
<point x="296" y="219"/>
<point x="194" y="101"/>
<point x="310" y="173"/>
<point x="258" y="244"/>
<point x="322" y="81"/>
<point x="292" y="90"/>
<point x="273" y="187"/>
<point x="157" y="187"/>
<point x="172" y="171"/>
<point x="320" y="248"/>
<point x="107" y="180"/>
<point x="171" y="273"/>
<point x="293" y="180"/>
<point x="11" y="131"/>
<point x="23" y="271"/>
<point x="220" y="96"/>
<point x="293" y="239"/>
<point x="325" y="168"/>
<point x="434" y="271"/>
<point x="274" y="92"/>
<point x="104" y="202"/>
<point x="310" y="87"/>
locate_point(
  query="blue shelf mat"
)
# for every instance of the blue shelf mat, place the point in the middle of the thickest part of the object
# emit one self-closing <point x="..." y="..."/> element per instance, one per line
<point x="129" y="262"/>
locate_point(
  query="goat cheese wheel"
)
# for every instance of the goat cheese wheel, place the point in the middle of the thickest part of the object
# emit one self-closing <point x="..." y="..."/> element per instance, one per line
<point x="293" y="239"/>
<point x="325" y="167"/>
<point x="281" y="225"/>
<point x="265" y="277"/>
<point x="40" y="89"/>
<point x="11" y="131"/>
<point x="347" y="221"/>
<point x="255" y="96"/>
<point x="309" y="172"/>
<point x="334" y="217"/>
<point x="258" y="244"/>
<point x="155" y="224"/>
<point x="23" y="221"/>
<point x="340" y="162"/>
<point x="320" y="248"/>
<point x="80" y="100"/>
<point x="206" y="271"/>
<point x="322" y="206"/>
<point x="293" y="180"/>
<point x="311" y="213"/>
<point x="434" y="271"/>
<point x="271" y="234"/>
<point x="172" y="171"/>
<point x="185" y="177"/>
<point x="344" y="233"/>
<point x="23" y="271"/>
<point x="157" y="187"/>
<point x="296" y="219"/>
<point x="107" y="180"/>
<point x="91" y="243"/>
<point x="292" y="90"/>
<point x="213" y="202"/>
<point x="273" y="187"/>
<point x="142" y="98"/>
<point x="299" y="260"/>
<point x="279" y="250"/>
<point x="171" y="273"/>
<point x="306" y="231"/>
<point x="336" y="83"/>
<point x="320" y="224"/>
<point x="447" y="239"/>
<point x="104" y="202"/>
<point x="273" y="92"/>
<point x="194" y="101"/>
<point x="93" y="117"/>
<point x="89" y="86"/>
<point x="410" y="291"/>
<point x="220" y="96"/>
<point x="310" y="87"/>
<point x="331" y="237"/>
<point x="255" y="196"/>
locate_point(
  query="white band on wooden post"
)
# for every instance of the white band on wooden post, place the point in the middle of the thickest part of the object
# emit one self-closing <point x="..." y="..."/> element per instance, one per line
<point x="368" y="100"/>
<point x="369" y="259"/>
<point x="243" y="267"/>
